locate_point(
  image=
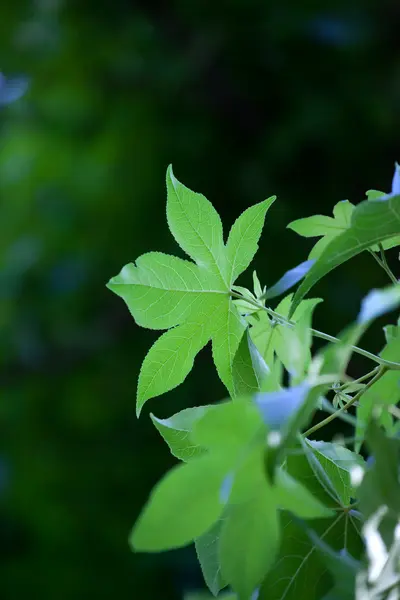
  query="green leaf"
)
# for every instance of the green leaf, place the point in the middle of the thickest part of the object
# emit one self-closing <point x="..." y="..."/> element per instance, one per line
<point x="260" y="367"/>
<point x="328" y="227"/>
<point x="373" y="221"/>
<point x="380" y="485"/>
<point x="342" y="567"/>
<point x="176" y="431"/>
<point x="290" y="344"/>
<point x="162" y="291"/>
<point x="293" y="344"/>
<point x="299" y="572"/>
<point x="249" y="542"/>
<point x="339" y="455"/>
<point x="208" y="555"/>
<point x="229" y="328"/>
<point x="248" y="475"/>
<point x="326" y="461"/>
<point x="374" y="194"/>
<point x="291" y="495"/>
<point x="243" y="369"/>
<point x="181" y="507"/>
<point x="207" y="596"/>
<point x="261" y="333"/>
<point x="170" y="359"/>
<point x="316" y="226"/>
<point x="257" y="285"/>
<point x="343" y="462"/>
<point x="328" y="482"/>
<point x="196" y="226"/>
<point x="228" y="426"/>
<point x="243" y="238"/>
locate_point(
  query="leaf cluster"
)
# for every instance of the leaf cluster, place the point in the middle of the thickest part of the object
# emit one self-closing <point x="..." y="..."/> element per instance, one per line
<point x="273" y="513"/>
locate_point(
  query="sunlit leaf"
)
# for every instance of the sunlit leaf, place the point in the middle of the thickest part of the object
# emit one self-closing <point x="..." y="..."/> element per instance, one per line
<point x="170" y="359"/>
<point x="164" y="292"/>
<point x="328" y="227"/>
<point x="196" y="226"/>
<point x="373" y="221"/>
<point x="243" y="238"/>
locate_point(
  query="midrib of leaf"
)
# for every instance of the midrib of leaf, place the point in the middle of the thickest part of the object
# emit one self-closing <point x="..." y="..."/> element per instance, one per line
<point x="205" y="245"/>
<point x="232" y="268"/>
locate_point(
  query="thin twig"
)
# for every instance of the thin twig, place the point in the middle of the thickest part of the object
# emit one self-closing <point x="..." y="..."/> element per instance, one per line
<point x="382" y="262"/>
<point x="342" y="387"/>
<point x="320" y="334"/>
<point x="382" y="370"/>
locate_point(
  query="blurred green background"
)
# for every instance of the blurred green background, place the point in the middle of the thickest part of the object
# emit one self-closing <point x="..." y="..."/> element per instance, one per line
<point x="246" y="99"/>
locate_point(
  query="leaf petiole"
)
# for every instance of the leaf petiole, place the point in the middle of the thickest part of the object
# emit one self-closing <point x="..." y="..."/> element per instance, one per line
<point x="382" y="262"/>
<point x="394" y="366"/>
<point x="382" y="370"/>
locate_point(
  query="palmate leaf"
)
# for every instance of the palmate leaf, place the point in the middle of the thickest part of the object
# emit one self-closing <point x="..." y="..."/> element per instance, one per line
<point x="191" y="299"/>
<point x="299" y="572"/>
<point x="372" y="221"/>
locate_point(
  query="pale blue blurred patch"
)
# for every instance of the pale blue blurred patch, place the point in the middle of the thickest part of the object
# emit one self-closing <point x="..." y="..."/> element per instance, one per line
<point x="12" y="88"/>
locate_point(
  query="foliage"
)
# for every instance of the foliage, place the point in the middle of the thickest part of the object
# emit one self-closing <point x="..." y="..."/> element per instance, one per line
<point x="273" y="514"/>
<point x="119" y="89"/>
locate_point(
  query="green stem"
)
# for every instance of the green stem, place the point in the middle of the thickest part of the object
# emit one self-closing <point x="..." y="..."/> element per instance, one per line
<point x="320" y="334"/>
<point x="382" y="262"/>
<point x="359" y="380"/>
<point x="382" y="370"/>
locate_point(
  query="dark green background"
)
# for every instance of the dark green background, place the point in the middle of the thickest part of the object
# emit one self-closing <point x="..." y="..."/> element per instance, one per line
<point x="246" y="99"/>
